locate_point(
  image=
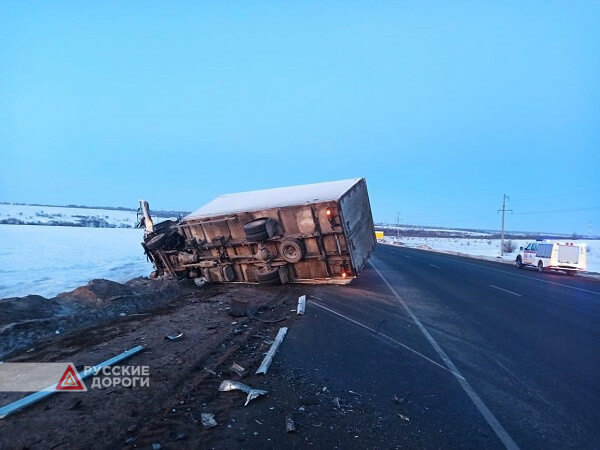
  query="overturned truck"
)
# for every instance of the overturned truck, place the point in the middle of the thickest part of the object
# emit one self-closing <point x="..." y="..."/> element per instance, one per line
<point x="313" y="233"/>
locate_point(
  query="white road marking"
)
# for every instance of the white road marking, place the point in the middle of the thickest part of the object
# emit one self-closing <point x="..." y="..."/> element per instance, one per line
<point x="383" y="335"/>
<point x="500" y="431"/>
<point x="506" y="290"/>
<point x="433" y="265"/>
<point x="519" y="275"/>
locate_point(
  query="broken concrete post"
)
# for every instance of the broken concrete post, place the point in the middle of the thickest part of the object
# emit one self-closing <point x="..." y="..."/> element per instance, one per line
<point x="301" y="305"/>
<point x="268" y="359"/>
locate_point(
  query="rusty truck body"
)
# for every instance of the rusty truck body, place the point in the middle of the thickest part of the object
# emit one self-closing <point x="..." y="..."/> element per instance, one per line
<point x="313" y="233"/>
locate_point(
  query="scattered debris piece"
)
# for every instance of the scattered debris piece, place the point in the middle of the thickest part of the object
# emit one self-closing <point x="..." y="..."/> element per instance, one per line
<point x="258" y="422"/>
<point x="122" y="315"/>
<point x="289" y="424"/>
<point x="199" y="282"/>
<point x="268" y="359"/>
<point x="236" y="368"/>
<point x="403" y="417"/>
<point x="180" y="437"/>
<point x="156" y="446"/>
<point x="57" y="332"/>
<point x="336" y="402"/>
<point x="131" y="440"/>
<point x="302" y="409"/>
<point x="212" y="372"/>
<point x="208" y="420"/>
<point x="398" y="400"/>
<point x="174" y="337"/>
<point x="228" y="385"/>
<point x="301" y="305"/>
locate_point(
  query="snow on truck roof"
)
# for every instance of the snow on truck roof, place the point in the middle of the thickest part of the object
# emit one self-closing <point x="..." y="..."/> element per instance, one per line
<point x="274" y="198"/>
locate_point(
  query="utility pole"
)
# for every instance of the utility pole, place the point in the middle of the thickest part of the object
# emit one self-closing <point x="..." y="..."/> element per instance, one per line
<point x="398" y="227"/>
<point x="504" y="210"/>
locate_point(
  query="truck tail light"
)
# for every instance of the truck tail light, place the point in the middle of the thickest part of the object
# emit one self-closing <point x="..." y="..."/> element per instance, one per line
<point x="329" y="214"/>
<point x="344" y="274"/>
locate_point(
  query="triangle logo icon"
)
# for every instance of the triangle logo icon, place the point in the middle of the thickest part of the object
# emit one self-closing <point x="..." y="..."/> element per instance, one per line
<point x="70" y="380"/>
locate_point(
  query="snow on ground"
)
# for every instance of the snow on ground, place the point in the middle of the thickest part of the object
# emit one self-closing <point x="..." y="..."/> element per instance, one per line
<point x="62" y="215"/>
<point x="47" y="260"/>
<point x="488" y="247"/>
<point x="423" y="229"/>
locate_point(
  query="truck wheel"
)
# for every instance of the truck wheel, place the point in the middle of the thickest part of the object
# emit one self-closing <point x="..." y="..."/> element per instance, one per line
<point x="519" y="263"/>
<point x="292" y="250"/>
<point x="156" y="242"/>
<point x="540" y="266"/>
<point x="269" y="277"/>
<point x="260" y="229"/>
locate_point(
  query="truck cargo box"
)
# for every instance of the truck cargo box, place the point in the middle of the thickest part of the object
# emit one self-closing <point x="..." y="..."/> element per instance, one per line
<point x="320" y="232"/>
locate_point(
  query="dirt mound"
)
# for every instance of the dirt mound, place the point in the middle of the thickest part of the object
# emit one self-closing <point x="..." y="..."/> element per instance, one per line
<point x="98" y="289"/>
<point x="25" y="321"/>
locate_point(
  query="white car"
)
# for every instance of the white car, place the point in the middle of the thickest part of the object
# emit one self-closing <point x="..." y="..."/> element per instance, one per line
<point x="543" y="255"/>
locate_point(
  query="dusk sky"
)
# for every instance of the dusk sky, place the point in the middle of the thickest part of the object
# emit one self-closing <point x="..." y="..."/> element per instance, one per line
<point x="441" y="106"/>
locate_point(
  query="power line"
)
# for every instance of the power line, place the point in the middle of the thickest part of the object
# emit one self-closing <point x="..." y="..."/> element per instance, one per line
<point x="557" y="211"/>
<point x="565" y="194"/>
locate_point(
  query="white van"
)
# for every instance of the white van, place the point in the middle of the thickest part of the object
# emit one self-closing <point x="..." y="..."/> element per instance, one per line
<point x="543" y="255"/>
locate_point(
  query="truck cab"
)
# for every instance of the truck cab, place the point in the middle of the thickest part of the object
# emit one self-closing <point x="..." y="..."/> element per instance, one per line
<point x="550" y="255"/>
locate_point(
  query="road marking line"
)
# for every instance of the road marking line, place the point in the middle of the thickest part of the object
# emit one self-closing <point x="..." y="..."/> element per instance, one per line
<point x="500" y="431"/>
<point x="516" y="274"/>
<point x="384" y="336"/>
<point x="433" y="265"/>
<point x="506" y="290"/>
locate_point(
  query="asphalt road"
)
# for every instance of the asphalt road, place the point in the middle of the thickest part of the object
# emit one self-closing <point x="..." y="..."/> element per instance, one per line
<point x="477" y="354"/>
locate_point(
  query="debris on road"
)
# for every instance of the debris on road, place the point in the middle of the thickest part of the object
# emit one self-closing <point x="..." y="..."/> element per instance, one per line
<point x="289" y="424"/>
<point x="237" y="369"/>
<point x="268" y="359"/>
<point x="228" y="385"/>
<point x="199" y="282"/>
<point x="212" y="372"/>
<point x="301" y="305"/>
<point x="398" y="400"/>
<point x="208" y="420"/>
<point x="403" y="417"/>
<point x="336" y="402"/>
<point x="174" y="337"/>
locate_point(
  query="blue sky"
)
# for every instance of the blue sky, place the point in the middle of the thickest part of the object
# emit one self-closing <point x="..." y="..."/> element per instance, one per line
<point x="442" y="106"/>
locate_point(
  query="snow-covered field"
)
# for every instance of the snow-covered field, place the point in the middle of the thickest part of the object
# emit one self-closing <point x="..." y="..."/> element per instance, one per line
<point x="61" y="215"/>
<point x="47" y="260"/>
<point x="488" y="247"/>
